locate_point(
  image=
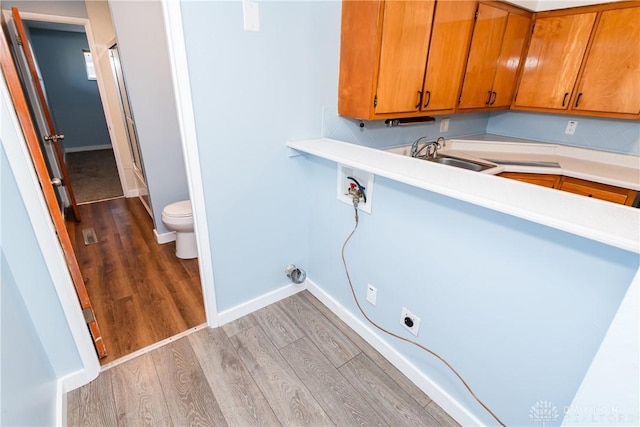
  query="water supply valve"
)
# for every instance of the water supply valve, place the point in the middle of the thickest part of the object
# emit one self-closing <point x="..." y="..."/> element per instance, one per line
<point x="356" y="191"/>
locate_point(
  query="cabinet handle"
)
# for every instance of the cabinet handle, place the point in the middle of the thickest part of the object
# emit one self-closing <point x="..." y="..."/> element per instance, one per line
<point x="495" y="95"/>
<point x="578" y="99"/>
<point x="426" y="104"/>
<point x="488" y="97"/>
<point x="564" y="100"/>
<point x="419" y="99"/>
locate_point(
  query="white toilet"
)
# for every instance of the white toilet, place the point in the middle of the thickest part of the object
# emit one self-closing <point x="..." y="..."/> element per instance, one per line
<point x="178" y="217"/>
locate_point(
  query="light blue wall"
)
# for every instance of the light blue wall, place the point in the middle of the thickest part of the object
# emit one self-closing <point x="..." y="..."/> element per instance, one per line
<point x="31" y="274"/>
<point x="36" y="344"/>
<point x="251" y="93"/>
<point x="618" y="136"/>
<point x="517" y="308"/>
<point x="28" y="384"/>
<point x="144" y="56"/>
<point x="376" y="134"/>
<point x="73" y="98"/>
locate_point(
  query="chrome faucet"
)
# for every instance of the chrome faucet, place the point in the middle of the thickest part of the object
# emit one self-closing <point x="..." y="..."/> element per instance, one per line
<point x="430" y="148"/>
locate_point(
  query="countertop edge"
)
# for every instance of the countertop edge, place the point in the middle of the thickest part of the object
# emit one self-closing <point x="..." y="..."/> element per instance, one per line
<point x="609" y="223"/>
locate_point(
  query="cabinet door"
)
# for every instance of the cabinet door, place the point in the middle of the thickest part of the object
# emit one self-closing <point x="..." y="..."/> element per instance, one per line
<point x="452" y="26"/>
<point x="483" y="56"/>
<point x="610" y="193"/>
<point x="406" y="31"/>
<point x="610" y="81"/>
<point x="553" y="60"/>
<point x="515" y="35"/>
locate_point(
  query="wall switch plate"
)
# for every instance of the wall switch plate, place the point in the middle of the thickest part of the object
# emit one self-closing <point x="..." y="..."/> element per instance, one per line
<point x="410" y="321"/>
<point x="372" y="293"/>
<point x="571" y="127"/>
<point x="251" y="15"/>
<point x="444" y="125"/>
<point x="364" y="178"/>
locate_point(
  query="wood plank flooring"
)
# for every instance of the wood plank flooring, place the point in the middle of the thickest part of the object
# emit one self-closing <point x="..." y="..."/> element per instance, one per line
<point x="141" y="292"/>
<point x="291" y="363"/>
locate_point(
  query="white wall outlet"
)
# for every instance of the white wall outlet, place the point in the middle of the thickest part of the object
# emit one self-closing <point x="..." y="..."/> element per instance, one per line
<point x="410" y="321"/>
<point x="372" y="293"/>
<point x="251" y="15"/>
<point x="571" y="127"/>
<point x="364" y="178"/>
<point x="444" y="125"/>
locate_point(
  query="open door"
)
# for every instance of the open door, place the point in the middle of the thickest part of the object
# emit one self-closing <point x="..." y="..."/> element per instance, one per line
<point x="42" y="115"/>
<point x="22" y="109"/>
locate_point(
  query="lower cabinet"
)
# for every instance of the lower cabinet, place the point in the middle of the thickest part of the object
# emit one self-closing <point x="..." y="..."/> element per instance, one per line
<point x="610" y="193"/>
<point x="545" y="180"/>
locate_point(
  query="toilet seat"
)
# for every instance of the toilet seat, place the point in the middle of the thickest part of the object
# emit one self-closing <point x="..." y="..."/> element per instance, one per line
<point x="178" y="210"/>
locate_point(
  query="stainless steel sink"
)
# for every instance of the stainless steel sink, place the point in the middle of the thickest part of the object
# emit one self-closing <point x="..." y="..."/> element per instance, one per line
<point x="461" y="163"/>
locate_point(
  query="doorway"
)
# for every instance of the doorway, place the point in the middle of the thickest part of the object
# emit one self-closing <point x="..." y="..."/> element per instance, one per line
<point x="68" y="76"/>
<point x="117" y="252"/>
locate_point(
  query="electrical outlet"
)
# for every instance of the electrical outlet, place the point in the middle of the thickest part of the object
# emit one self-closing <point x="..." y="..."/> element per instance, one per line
<point x="410" y="321"/>
<point x="444" y="125"/>
<point x="364" y="178"/>
<point x="372" y="293"/>
<point x="571" y="127"/>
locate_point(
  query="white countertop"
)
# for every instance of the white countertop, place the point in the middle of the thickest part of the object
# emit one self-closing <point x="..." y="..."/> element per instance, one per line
<point x="600" y="166"/>
<point x="610" y="223"/>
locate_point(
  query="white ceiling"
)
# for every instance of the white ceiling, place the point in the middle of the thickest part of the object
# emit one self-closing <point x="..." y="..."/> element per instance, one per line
<point x="542" y="5"/>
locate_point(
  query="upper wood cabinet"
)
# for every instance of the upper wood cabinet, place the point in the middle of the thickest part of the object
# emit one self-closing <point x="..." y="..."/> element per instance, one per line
<point x="610" y="80"/>
<point x="406" y="31"/>
<point x="584" y="61"/>
<point x="553" y="60"/>
<point x="499" y="37"/>
<point x="452" y="27"/>
<point x="402" y="58"/>
<point x="383" y="53"/>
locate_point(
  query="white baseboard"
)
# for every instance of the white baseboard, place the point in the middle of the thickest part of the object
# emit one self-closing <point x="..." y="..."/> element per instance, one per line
<point x="422" y="381"/>
<point x="164" y="237"/>
<point x="258" y="303"/>
<point x="87" y="148"/>
<point x="61" y="405"/>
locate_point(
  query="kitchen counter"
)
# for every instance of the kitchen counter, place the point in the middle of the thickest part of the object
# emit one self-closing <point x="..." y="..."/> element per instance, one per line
<point x="609" y="223"/>
<point x="599" y="166"/>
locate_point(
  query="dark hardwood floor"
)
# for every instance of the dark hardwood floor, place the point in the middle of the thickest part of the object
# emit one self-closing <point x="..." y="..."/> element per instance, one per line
<point x="141" y="292"/>
<point x="291" y="363"/>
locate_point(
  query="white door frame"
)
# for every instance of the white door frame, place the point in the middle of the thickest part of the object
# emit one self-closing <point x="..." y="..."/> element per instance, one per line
<point x="182" y="89"/>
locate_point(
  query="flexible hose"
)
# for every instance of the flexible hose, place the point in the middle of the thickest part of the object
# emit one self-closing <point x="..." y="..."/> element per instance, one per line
<point x="417" y="344"/>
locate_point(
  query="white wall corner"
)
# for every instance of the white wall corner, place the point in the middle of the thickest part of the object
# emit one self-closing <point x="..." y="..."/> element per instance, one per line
<point x="255" y="304"/>
<point x="422" y="381"/>
<point x="163" y="238"/>
<point x="610" y="391"/>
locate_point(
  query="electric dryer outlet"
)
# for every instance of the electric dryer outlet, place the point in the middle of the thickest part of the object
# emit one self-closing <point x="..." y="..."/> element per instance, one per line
<point x="410" y="321"/>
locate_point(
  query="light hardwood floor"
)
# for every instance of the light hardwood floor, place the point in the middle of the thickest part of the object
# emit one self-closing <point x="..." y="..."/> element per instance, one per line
<point x="141" y="292"/>
<point x="291" y="363"/>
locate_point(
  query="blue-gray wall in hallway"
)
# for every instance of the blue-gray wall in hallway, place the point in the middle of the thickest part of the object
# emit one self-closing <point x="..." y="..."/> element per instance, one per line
<point x="73" y="98"/>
